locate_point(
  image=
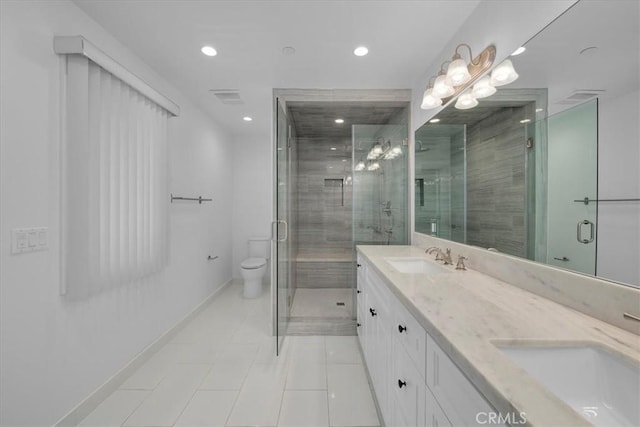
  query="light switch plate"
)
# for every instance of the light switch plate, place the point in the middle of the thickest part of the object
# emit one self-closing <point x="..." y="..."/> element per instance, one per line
<point x="33" y="239"/>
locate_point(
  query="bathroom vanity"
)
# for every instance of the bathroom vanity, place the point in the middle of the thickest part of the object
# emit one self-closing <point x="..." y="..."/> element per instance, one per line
<point x="439" y="342"/>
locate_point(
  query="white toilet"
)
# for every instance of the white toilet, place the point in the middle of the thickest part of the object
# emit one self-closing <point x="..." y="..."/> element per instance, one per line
<point x="254" y="267"/>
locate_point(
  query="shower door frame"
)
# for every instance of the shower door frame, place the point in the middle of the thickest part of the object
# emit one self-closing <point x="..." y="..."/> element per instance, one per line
<point x="326" y="95"/>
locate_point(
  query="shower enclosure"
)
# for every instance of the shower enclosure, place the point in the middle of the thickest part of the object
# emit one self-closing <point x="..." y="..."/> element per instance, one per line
<point x="511" y="184"/>
<point x="339" y="185"/>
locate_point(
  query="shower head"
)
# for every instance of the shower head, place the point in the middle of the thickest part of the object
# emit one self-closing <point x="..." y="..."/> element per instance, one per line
<point x="422" y="147"/>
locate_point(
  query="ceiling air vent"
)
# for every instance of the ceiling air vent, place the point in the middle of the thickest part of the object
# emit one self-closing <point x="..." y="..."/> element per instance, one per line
<point x="227" y="96"/>
<point x="580" y="95"/>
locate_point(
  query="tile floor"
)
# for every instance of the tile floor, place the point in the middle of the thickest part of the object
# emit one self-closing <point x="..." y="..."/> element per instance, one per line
<point x="221" y="370"/>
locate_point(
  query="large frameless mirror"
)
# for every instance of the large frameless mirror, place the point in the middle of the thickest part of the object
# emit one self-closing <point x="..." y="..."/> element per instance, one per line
<point x="546" y="168"/>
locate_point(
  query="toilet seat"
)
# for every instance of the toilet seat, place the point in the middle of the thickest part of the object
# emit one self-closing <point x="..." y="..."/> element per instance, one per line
<point x="253" y="263"/>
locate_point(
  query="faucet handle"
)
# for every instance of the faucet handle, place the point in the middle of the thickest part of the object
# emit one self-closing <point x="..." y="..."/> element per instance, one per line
<point x="437" y="250"/>
<point x="460" y="264"/>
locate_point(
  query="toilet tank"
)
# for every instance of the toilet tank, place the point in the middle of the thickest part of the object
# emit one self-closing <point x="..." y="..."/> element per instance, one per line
<point x="259" y="247"/>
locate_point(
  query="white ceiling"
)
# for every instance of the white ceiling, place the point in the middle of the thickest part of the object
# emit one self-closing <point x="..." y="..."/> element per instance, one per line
<point x="403" y="38"/>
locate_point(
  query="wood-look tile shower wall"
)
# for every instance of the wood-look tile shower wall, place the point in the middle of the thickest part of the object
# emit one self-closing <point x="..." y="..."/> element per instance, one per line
<point x="324" y="213"/>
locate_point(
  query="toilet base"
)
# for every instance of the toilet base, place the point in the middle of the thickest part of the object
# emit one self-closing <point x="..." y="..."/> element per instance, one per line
<point x="252" y="288"/>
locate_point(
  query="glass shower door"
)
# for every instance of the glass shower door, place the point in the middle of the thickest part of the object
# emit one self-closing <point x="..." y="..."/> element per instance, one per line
<point x="380" y="182"/>
<point x="283" y="208"/>
<point x="573" y="176"/>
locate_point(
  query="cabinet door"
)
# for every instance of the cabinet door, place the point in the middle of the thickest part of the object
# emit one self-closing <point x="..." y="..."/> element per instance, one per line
<point x="408" y="386"/>
<point x="411" y="335"/>
<point x="435" y="415"/>
<point x="379" y="319"/>
<point x="457" y="396"/>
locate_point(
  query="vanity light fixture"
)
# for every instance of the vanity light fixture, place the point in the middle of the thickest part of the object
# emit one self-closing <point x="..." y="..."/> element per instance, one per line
<point x="392" y="153"/>
<point x="458" y="77"/>
<point x="429" y="100"/>
<point x="483" y="88"/>
<point x="374" y="166"/>
<point x="466" y="101"/>
<point x="360" y="51"/>
<point x="209" y="51"/>
<point x="375" y="152"/>
<point x="458" y="72"/>
<point x="443" y="86"/>
<point x="503" y="74"/>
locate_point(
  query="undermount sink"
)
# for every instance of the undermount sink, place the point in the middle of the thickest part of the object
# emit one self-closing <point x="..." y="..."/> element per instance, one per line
<point x="602" y="387"/>
<point x="417" y="265"/>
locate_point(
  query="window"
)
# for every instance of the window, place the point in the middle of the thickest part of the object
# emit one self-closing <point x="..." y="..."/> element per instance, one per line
<point x="115" y="172"/>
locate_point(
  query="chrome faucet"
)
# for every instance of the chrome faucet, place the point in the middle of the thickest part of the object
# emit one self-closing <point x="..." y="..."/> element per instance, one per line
<point x="437" y="250"/>
<point x="445" y="257"/>
<point x="460" y="264"/>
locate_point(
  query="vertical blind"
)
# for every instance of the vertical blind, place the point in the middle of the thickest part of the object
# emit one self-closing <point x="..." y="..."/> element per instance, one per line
<point x="115" y="207"/>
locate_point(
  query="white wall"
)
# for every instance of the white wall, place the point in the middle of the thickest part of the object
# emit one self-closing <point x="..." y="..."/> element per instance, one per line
<point x="252" y="202"/>
<point x="55" y="352"/>
<point x="618" y="178"/>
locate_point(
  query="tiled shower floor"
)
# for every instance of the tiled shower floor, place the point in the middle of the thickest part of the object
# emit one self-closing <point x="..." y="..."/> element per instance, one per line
<point x="322" y="302"/>
<point x="221" y="370"/>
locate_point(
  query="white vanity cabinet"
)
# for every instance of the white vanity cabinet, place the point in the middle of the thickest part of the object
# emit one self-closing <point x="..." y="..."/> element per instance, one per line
<point x="415" y="382"/>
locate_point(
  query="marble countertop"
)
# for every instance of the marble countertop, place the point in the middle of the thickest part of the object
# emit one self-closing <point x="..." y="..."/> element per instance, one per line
<point x="469" y="313"/>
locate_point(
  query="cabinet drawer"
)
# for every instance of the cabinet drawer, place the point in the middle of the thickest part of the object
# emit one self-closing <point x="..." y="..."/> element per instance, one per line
<point x="435" y="415"/>
<point x="458" y="398"/>
<point x="409" y="387"/>
<point x="411" y="335"/>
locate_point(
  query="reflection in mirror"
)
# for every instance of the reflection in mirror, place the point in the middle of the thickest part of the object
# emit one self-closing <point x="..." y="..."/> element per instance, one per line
<point x="513" y="172"/>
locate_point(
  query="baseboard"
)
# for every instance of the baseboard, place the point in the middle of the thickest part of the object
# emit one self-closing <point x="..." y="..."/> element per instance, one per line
<point x="92" y="401"/>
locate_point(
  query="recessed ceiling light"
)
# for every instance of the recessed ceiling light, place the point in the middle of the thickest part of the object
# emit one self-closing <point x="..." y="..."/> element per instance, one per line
<point x="519" y="50"/>
<point x="209" y="51"/>
<point x="339" y="120"/>
<point x="360" y="51"/>
<point x="434" y="120"/>
<point x="333" y="148"/>
<point x="247" y="119"/>
<point x="525" y="121"/>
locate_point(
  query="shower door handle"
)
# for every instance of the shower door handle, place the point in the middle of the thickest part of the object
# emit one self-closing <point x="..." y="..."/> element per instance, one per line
<point x="592" y="229"/>
<point x="286" y="230"/>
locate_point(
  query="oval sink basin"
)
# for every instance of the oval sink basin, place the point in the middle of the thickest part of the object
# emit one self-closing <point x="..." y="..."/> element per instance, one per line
<point x="417" y="265"/>
<point x="601" y="386"/>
